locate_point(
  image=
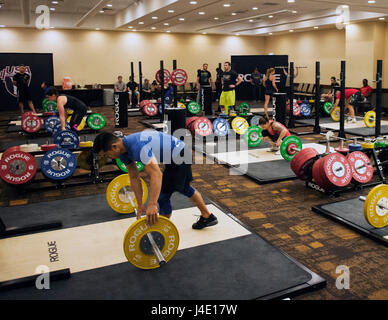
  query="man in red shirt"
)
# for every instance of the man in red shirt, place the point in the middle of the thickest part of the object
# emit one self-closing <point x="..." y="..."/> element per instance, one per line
<point x="351" y="97"/>
<point x="366" y="89"/>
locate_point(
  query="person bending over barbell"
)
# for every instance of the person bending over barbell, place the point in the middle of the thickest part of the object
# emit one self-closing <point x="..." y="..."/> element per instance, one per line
<point x="351" y="97"/>
<point x="273" y="132"/>
<point x="64" y="102"/>
<point x="151" y="148"/>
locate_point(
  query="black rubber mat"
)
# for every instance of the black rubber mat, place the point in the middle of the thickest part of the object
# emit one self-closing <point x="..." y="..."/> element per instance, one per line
<point x="134" y="113"/>
<point x="243" y="268"/>
<point x="362" y="131"/>
<point x="267" y="172"/>
<point x="13" y="128"/>
<point x="351" y="214"/>
<point x="311" y="122"/>
<point x="73" y="212"/>
<point x="366" y="132"/>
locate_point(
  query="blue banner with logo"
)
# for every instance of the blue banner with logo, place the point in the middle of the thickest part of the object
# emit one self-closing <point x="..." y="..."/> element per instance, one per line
<point x="40" y="68"/>
<point x="245" y="65"/>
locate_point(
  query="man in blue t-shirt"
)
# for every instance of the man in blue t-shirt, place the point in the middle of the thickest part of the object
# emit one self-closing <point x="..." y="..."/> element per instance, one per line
<point x="151" y="148"/>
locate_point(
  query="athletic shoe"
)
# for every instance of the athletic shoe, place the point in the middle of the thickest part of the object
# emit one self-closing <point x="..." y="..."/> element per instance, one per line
<point x="273" y="149"/>
<point x="203" y="223"/>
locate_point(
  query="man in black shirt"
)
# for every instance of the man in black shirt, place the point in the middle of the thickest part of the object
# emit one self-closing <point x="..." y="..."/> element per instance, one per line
<point x="204" y="87"/>
<point x="133" y="88"/>
<point x="256" y="81"/>
<point x="228" y="95"/>
<point x="218" y="83"/>
<point x="20" y="80"/>
<point x="68" y="102"/>
<point x="334" y="87"/>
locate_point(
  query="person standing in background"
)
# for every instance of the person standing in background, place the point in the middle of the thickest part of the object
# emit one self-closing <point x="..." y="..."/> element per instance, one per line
<point x="204" y="86"/>
<point x="20" y="80"/>
<point x="230" y="80"/>
<point x="269" y="82"/>
<point x="218" y="83"/>
<point x="256" y="81"/>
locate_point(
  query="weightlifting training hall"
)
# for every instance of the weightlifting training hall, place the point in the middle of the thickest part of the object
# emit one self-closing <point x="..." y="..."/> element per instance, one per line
<point x="193" y="150"/>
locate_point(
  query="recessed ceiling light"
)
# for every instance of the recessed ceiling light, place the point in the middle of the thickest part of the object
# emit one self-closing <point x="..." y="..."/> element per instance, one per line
<point x="254" y="8"/>
<point x="153" y="28"/>
<point x="270" y="33"/>
<point x="141" y="22"/>
<point x="250" y="20"/>
<point x="181" y="19"/>
<point x="291" y="1"/>
<point x="201" y="12"/>
<point x="381" y="18"/>
<point x="168" y="31"/>
<point x="102" y="11"/>
<point x="193" y="2"/>
<point x="155" y="18"/>
<point x="216" y="18"/>
<point x="270" y="17"/>
<point x="316" y="27"/>
<point x="234" y="13"/>
<point x="130" y="27"/>
<point x="291" y="30"/>
<point x="166" y="24"/>
<point x="294" y="11"/>
<point x="52" y="9"/>
<point x="226" y="5"/>
<point x="109" y="5"/>
<point x="171" y="11"/>
<point x="372" y="1"/>
<point x="54" y="2"/>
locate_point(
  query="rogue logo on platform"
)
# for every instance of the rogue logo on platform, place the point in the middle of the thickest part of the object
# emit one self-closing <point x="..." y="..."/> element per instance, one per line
<point x="6" y="75"/>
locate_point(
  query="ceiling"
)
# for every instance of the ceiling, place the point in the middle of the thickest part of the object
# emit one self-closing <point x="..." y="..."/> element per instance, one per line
<point x="241" y="17"/>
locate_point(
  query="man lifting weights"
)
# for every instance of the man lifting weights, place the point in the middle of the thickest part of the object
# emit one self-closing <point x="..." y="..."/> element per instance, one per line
<point x="352" y="96"/>
<point x="68" y="102"/>
<point x="152" y="148"/>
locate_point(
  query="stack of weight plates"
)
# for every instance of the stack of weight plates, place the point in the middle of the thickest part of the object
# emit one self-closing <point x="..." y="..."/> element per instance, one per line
<point x="332" y="171"/>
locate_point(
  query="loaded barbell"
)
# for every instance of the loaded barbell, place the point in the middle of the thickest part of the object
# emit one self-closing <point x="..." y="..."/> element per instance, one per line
<point x="146" y="247"/>
<point x="369" y="117"/>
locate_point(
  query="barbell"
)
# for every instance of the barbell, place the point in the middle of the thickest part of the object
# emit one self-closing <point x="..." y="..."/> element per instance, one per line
<point x="146" y="247"/>
<point x="369" y="117"/>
